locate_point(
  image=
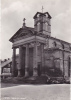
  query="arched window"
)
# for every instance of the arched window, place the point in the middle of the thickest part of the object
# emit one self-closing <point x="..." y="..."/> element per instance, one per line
<point x="62" y="46"/>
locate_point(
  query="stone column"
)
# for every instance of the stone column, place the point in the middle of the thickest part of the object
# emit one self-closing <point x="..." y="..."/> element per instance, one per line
<point x="20" y="61"/>
<point x="35" y="60"/>
<point x="10" y="67"/>
<point x="27" y="60"/>
<point x="14" y="62"/>
<point x="1" y="70"/>
<point x="42" y="58"/>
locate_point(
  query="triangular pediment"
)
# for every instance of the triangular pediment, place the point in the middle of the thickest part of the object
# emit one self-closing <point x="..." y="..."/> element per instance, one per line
<point x="22" y="32"/>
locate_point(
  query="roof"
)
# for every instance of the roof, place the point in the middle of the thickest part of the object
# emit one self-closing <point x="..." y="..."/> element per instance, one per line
<point x="59" y="40"/>
<point x="6" y="62"/>
<point x="22" y="32"/>
<point x="42" y="14"/>
<point x="6" y="74"/>
<point x="47" y="36"/>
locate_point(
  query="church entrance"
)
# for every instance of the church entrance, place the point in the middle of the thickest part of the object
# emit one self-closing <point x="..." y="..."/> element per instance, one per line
<point x="39" y="69"/>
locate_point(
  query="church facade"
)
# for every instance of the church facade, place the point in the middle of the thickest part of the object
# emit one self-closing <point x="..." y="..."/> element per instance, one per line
<point x="39" y="52"/>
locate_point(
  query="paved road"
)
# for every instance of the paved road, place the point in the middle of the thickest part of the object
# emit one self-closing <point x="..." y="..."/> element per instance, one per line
<point x="36" y="92"/>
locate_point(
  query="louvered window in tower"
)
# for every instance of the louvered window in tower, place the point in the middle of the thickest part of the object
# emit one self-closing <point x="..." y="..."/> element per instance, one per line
<point x="41" y="26"/>
<point x="38" y="26"/>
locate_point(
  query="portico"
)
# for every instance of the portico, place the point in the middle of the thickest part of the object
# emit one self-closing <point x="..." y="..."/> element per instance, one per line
<point x="28" y="56"/>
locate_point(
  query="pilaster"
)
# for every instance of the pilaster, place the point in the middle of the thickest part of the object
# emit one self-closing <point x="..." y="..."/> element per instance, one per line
<point x="42" y="58"/>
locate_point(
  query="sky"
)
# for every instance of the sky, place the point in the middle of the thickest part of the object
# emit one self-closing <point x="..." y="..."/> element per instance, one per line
<point x="13" y="12"/>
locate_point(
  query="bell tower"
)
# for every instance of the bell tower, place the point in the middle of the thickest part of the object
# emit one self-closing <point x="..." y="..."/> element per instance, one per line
<point x="42" y="23"/>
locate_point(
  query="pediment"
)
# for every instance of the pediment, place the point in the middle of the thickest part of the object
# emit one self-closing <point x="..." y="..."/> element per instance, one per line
<point x="22" y="32"/>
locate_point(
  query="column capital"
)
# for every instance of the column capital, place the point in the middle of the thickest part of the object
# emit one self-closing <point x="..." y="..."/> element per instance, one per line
<point x="13" y="47"/>
<point x="27" y="44"/>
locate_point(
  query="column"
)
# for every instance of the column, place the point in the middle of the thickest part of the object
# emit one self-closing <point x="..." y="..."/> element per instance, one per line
<point x="35" y="60"/>
<point x="61" y="66"/>
<point x="27" y="60"/>
<point x="1" y="70"/>
<point x="10" y="67"/>
<point x="14" y="62"/>
<point x="42" y="58"/>
<point x="20" y="61"/>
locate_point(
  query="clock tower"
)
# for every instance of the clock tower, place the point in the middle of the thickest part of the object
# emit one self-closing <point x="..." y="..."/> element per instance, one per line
<point x="42" y="23"/>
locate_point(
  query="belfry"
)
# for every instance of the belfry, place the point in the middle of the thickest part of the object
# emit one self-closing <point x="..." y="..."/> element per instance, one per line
<point x="39" y="52"/>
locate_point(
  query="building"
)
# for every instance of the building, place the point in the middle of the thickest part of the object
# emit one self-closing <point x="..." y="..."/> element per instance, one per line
<point x="6" y="66"/>
<point x="39" y="52"/>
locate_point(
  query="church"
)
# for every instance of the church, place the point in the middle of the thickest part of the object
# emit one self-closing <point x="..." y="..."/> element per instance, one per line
<point x="40" y="53"/>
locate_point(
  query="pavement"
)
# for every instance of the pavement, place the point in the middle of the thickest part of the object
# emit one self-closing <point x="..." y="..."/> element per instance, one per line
<point x="36" y="92"/>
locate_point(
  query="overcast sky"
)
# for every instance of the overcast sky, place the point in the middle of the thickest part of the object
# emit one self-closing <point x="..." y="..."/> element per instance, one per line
<point x="13" y="12"/>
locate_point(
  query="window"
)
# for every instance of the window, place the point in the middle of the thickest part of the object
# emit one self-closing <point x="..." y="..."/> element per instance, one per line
<point x="62" y="46"/>
<point x="55" y="44"/>
<point x="70" y="48"/>
<point x="41" y="26"/>
<point x="38" y="26"/>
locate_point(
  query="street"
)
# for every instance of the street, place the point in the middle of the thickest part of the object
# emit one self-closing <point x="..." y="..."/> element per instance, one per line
<point x="36" y="92"/>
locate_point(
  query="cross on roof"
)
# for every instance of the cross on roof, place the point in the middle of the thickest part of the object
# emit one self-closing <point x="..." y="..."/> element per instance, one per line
<point x="42" y="9"/>
<point x="24" y="20"/>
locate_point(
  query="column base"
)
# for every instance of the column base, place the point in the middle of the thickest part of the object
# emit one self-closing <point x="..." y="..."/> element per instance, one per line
<point x="43" y="74"/>
<point x="19" y="73"/>
<point x="14" y="73"/>
<point x="26" y="72"/>
<point x="35" y="72"/>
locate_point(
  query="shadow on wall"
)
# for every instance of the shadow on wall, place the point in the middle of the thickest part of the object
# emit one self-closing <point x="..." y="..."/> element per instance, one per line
<point x="53" y="72"/>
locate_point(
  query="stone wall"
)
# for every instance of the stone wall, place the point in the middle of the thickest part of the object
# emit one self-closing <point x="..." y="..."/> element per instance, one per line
<point x="60" y="56"/>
